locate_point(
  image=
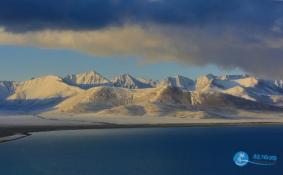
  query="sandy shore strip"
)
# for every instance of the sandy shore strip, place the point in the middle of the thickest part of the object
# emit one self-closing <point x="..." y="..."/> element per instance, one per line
<point x="12" y="137"/>
<point x="17" y="127"/>
<point x="10" y="133"/>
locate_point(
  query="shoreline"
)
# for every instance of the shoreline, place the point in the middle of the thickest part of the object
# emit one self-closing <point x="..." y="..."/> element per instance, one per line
<point x="14" y="137"/>
<point x="12" y="133"/>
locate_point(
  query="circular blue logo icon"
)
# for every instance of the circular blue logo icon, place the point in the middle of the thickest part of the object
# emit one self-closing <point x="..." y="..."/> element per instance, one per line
<point x="241" y="159"/>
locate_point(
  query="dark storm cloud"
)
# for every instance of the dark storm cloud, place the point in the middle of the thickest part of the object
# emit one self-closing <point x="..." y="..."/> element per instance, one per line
<point x="31" y="15"/>
<point x="245" y="34"/>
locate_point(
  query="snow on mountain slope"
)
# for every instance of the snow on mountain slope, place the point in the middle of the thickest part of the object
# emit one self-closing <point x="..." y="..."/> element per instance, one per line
<point x="208" y="82"/>
<point x="87" y="80"/>
<point x="100" y="98"/>
<point x="204" y="82"/>
<point x="173" y="95"/>
<point x="96" y="99"/>
<point x="277" y="100"/>
<point x="219" y="99"/>
<point x="127" y="81"/>
<point x="247" y="87"/>
<point x="7" y="88"/>
<point x="248" y="81"/>
<point x="178" y="81"/>
<point x="264" y="91"/>
<point x="38" y="94"/>
<point x="150" y="82"/>
<point x="139" y="96"/>
<point x="278" y="83"/>
<point x="43" y="88"/>
<point x="239" y="91"/>
<point x="153" y="101"/>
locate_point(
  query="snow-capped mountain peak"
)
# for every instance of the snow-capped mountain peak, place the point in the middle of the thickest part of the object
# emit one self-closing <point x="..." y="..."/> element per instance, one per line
<point x="179" y="81"/>
<point x="128" y="81"/>
<point x="48" y="91"/>
<point x="87" y="80"/>
<point x="45" y="87"/>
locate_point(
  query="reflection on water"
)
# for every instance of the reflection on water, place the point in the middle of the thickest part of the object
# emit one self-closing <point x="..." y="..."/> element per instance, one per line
<point x="148" y="151"/>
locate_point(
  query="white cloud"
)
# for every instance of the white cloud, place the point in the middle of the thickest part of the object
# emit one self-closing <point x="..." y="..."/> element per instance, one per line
<point x="256" y="53"/>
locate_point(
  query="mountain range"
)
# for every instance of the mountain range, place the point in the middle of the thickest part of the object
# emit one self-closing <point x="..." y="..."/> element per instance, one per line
<point x="91" y="92"/>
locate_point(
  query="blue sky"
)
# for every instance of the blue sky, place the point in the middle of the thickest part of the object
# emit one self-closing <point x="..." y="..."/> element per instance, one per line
<point x="21" y="63"/>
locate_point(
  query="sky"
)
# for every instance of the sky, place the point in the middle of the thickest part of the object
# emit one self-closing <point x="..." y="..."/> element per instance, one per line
<point x="147" y="38"/>
<point x="28" y="62"/>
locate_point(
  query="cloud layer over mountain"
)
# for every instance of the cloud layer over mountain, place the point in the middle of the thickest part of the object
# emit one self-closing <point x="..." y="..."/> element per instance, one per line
<point x="245" y="34"/>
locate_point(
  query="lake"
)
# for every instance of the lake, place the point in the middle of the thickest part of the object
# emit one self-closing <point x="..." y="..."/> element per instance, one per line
<point x="144" y="151"/>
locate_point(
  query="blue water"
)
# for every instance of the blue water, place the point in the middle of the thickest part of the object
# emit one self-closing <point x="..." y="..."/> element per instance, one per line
<point x="147" y="151"/>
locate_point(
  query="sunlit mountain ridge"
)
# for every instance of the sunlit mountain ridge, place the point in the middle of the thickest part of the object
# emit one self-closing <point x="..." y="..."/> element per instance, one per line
<point x="91" y="92"/>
